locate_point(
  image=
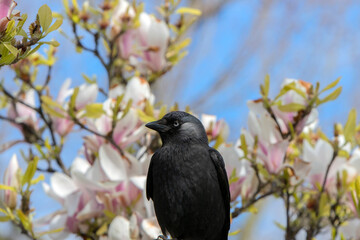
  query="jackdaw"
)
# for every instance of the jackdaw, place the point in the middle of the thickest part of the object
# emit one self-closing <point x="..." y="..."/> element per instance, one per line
<point x="187" y="181"/>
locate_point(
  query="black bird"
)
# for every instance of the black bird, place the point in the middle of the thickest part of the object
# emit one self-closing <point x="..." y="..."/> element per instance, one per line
<point x="187" y="181"/>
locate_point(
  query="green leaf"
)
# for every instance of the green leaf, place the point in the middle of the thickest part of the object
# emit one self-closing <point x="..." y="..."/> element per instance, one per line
<point x="52" y="111"/>
<point x="10" y="26"/>
<point x="266" y="85"/>
<point x="22" y="33"/>
<point x="279" y="225"/>
<point x="234" y="232"/>
<point x="357" y="186"/>
<point x="94" y="110"/>
<point x="41" y="234"/>
<point x="5" y="187"/>
<point x="187" y="10"/>
<point x="53" y="43"/>
<point x="291" y="107"/>
<point x="219" y="140"/>
<point x="5" y="218"/>
<point x="127" y="108"/>
<point x="252" y="209"/>
<point x="33" y="50"/>
<point x="350" y="126"/>
<point x="244" y="145"/>
<point x="11" y="48"/>
<point x="145" y="118"/>
<point x="331" y="96"/>
<point x="292" y="86"/>
<point x="331" y="85"/>
<point x="102" y="230"/>
<point x="88" y="79"/>
<point x="41" y="177"/>
<point x="49" y="101"/>
<point x="323" y="204"/>
<point x="45" y="17"/>
<point x="149" y="109"/>
<point x="343" y="153"/>
<point x="6" y="60"/>
<point x="55" y="26"/>
<point x="73" y="101"/>
<point x="24" y="219"/>
<point x="30" y="171"/>
<point x="162" y="111"/>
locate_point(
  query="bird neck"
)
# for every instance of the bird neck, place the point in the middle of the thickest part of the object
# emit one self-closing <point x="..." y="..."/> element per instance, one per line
<point x="188" y="140"/>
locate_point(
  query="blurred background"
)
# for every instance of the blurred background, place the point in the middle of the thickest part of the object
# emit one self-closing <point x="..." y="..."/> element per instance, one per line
<point x="234" y="45"/>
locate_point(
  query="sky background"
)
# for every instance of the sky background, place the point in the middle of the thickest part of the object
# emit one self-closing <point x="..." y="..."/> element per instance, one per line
<point x="234" y="46"/>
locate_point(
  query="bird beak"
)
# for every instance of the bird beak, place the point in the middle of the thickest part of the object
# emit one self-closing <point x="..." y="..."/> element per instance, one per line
<point x="159" y="125"/>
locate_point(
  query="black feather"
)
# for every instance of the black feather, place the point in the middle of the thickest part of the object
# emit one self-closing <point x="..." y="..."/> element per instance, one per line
<point x="187" y="181"/>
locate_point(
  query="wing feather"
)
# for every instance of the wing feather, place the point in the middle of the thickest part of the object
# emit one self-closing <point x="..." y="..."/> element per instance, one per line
<point x="224" y="186"/>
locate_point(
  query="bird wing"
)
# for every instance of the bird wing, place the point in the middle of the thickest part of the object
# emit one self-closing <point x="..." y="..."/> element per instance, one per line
<point x="149" y="180"/>
<point x="224" y="184"/>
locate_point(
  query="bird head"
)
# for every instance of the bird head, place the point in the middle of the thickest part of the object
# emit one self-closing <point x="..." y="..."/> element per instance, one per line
<point x="178" y="127"/>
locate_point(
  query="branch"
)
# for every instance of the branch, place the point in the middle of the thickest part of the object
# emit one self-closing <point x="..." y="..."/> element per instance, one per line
<point x="95" y="51"/>
<point x="106" y="137"/>
<point x="238" y="211"/>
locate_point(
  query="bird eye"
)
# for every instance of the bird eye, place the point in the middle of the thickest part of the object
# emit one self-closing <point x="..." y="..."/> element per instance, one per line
<point x="176" y="123"/>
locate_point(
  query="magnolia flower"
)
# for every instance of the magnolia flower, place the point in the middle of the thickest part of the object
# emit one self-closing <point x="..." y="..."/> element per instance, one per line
<point x="11" y="178"/>
<point x="352" y="165"/>
<point x="122" y="14"/>
<point x="123" y="229"/>
<point x="87" y="94"/>
<point x="241" y="175"/>
<point x="319" y="157"/>
<point x="24" y="114"/>
<point x="111" y="182"/>
<point x="63" y="126"/>
<point x="137" y="89"/>
<point x="154" y="36"/>
<point x="214" y="128"/>
<point x="146" y="45"/>
<point x="271" y="147"/>
<point x="290" y="97"/>
<point x="6" y="7"/>
<point x="128" y="129"/>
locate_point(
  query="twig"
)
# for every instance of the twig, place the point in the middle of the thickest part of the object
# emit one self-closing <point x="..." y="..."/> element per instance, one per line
<point x="289" y="232"/>
<point x="106" y="137"/>
<point x="238" y="211"/>
<point x="95" y="51"/>
<point x="9" y="95"/>
<point x="47" y="80"/>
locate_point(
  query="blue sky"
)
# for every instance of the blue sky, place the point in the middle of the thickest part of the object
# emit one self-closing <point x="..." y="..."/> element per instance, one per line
<point x="313" y="41"/>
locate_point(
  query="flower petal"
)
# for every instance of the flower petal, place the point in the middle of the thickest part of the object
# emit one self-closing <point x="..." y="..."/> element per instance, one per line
<point x="119" y="229"/>
<point x="112" y="163"/>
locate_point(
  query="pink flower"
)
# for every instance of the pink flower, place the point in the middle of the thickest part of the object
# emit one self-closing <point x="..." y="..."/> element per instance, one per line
<point x="63" y="126"/>
<point x="290" y="97"/>
<point x="6" y="7"/>
<point x="11" y="178"/>
<point x="241" y="175"/>
<point x="112" y="183"/>
<point x="87" y="94"/>
<point x="144" y="46"/>
<point x="125" y="41"/>
<point x="154" y="37"/>
<point x="319" y="158"/>
<point x="215" y="128"/>
<point x="137" y="89"/>
<point x="271" y="147"/>
<point x="24" y="114"/>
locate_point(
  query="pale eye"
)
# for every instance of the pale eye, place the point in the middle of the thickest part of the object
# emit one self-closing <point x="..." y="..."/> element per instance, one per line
<point x="176" y="123"/>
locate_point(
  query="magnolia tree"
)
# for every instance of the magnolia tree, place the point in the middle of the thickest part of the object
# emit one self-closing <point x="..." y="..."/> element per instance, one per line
<point x="283" y="153"/>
